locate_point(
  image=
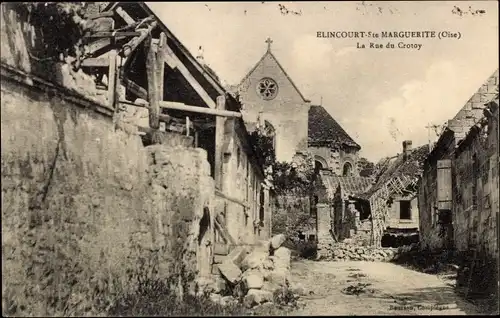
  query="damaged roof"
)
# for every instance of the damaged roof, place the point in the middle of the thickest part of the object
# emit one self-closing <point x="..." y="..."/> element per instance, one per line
<point x="351" y="185"/>
<point x="323" y="130"/>
<point x="399" y="167"/>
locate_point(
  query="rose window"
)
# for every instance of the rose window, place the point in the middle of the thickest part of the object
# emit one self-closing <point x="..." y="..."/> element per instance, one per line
<point x="267" y="88"/>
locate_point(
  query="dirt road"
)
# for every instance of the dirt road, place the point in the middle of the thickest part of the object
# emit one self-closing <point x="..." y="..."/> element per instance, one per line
<point x="383" y="289"/>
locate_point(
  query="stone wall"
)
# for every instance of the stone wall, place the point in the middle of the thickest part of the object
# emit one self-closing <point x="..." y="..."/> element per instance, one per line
<point x="85" y="204"/>
<point x="476" y="207"/>
<point x="475" y="221"/>
<point x="324" y="217"/>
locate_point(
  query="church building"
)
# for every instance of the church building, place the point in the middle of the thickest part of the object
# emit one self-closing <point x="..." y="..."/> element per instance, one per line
<point x="270" y="98"/>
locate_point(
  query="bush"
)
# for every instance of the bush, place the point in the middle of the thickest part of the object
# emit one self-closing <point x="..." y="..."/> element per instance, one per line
<point x="156" y="298"/>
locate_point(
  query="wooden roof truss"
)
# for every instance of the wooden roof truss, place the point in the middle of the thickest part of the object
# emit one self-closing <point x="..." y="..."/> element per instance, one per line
<point x="113" y="49"/>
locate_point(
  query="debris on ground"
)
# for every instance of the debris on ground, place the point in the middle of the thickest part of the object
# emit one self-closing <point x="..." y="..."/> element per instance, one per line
<point x="359" y="288"/>
<point x="356" y="275"/>
<point x="260" y="279"/>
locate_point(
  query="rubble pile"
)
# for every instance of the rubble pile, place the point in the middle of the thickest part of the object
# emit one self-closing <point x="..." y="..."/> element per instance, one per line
<point x="256" y="277"/>
<point x="343" y="251"/>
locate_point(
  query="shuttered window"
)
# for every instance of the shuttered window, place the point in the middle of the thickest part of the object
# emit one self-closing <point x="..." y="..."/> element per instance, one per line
<point x="444" y="185"/>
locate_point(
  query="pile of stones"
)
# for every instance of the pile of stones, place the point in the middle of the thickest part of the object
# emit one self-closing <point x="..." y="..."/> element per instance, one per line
<point x="255" y="276"/>
<point x="346" y="251"/>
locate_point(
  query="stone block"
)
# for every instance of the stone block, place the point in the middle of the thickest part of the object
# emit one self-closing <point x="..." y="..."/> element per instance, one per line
<point x="278" y="277"/>
<point x="254" y="260"/>
<point x="230" y="271"/>
<point x="277" y="241"/>
<point x="228" y="300"/>
<point x="237" y="255"/>
<point x="282" y="257"/>
<point x="221" y="249"/>
<point x="218" y="259"/>
<point x="216" y="298"/>
<point x="256" y="297"/>
<point x="253" y="280"/>
<point x="271" y="286"/>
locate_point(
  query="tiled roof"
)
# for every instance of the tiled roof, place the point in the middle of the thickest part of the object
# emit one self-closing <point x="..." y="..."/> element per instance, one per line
<point x="398" y="167"/>
<point x="323" y="130"/>
<point x="472" y="111"/>
<point x="350" y="185"/>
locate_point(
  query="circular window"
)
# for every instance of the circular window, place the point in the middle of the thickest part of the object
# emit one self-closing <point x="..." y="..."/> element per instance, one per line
<point x="267" y="88"/>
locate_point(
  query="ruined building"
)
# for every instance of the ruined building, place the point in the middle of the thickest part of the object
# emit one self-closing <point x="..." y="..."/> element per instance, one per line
<point x="377" y="212"/>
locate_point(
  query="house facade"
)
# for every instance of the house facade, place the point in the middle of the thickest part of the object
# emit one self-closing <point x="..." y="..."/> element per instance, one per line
<point x="438" y="188"/>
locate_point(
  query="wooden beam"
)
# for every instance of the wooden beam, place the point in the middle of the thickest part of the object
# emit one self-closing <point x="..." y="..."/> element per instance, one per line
<point x="229" y="130"/>
<point x="199" y="110"/>
<point x="154" y="107"/>
<point x="125" y="16"/>
<point x="135" y="88"/>
<point x="135" y="42"/>
<point x="111" y="34"/>
<point x="174" y="62"/>
<point x="198" y="66"/>
<point x="112" y="79"/>
<point x="95" y="62"/>
<point x="229" y="198"/>
<point x="104" y="14"/>
<point x="118" y="65"/>
<point x="183" y="107"/>
<point x="160" y="66"/>
<point x="101" y="44"/>
<point x="219" y="142"/>
<point x="219" y="225"/>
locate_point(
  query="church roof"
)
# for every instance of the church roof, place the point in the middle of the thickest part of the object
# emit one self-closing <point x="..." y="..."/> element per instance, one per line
<point x="323" y="130"/>
<point x="268" y="52"/>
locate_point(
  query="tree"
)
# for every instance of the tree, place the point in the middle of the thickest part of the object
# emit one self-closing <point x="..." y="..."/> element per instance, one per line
<point x="366" y="168"/>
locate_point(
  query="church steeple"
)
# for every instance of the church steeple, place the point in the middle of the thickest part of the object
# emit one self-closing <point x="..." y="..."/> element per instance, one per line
<point x="269" y="42"/>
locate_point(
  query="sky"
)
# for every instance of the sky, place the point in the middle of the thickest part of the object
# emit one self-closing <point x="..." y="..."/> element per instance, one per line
<point x="380" y="97"/>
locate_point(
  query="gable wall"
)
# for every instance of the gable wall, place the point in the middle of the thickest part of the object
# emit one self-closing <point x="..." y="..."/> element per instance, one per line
<point x="288" y="112"/>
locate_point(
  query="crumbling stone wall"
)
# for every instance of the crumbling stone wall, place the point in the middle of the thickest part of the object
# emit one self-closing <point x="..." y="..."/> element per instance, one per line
<point x="476" y="208"/>
<point x="85" y="205"/>
<point x="324" y="216"/>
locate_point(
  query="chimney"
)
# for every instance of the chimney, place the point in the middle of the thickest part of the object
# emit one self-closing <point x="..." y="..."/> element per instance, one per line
<point x="406" y="149"/>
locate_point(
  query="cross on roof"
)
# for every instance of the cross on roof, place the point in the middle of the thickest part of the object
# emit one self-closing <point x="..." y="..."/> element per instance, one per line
<point x="269" y="41"/>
